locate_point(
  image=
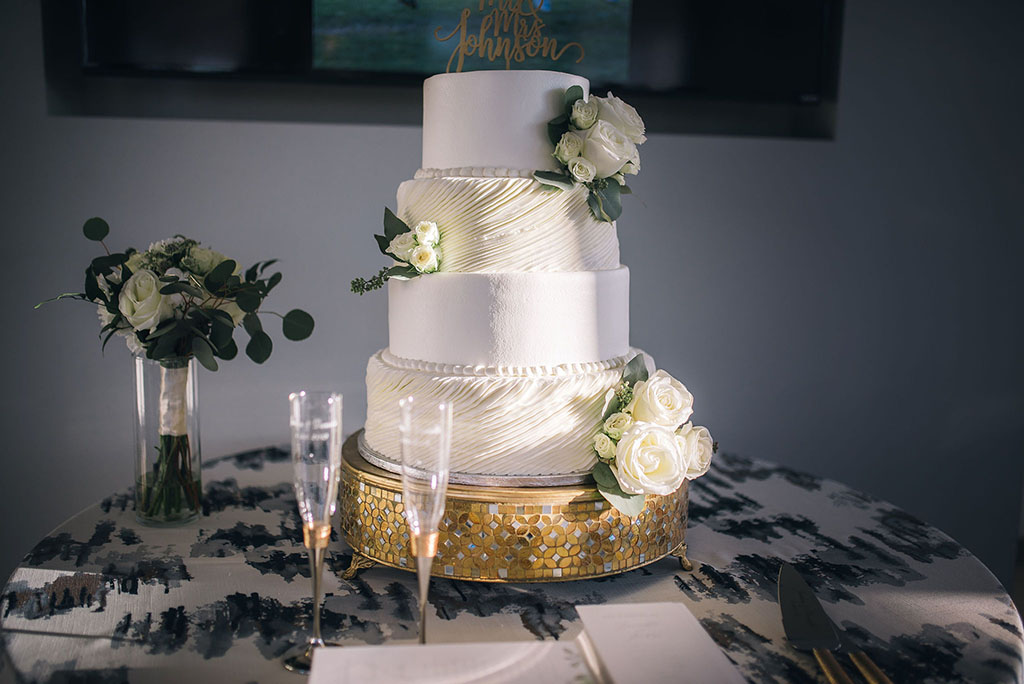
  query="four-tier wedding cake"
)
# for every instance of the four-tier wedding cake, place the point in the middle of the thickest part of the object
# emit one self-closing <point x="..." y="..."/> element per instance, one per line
<point x="508" y="298"/>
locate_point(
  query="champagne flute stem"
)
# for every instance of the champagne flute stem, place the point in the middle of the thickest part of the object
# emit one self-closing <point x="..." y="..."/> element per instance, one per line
<point x="423" y="564"/>
<point x="316" y="566"/>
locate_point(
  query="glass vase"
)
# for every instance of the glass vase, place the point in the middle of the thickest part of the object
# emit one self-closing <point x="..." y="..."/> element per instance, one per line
<point x="168" y="485"/>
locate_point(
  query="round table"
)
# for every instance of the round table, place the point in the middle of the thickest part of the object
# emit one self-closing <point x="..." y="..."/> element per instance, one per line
<point x="106" y="599"/>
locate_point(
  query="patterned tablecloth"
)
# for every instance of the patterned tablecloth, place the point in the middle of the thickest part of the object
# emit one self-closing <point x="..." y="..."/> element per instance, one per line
<point x="103" y="599"/>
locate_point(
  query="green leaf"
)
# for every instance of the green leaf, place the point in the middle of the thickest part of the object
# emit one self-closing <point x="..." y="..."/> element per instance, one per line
<point x="259" y="347"/>
<point x="103" y="264"/>
<point x="298" y="325"/>
<point x="611" y="201"/>
<point x="594" y="202"/>
<point x="220" y="334"/>
<point x="604" y="477"/>
<point x="106" y="339"/>
<point x="163" y="329"/>
<point x="204" y="352"/>
<point x="402" y="271"/>
<point x="181" y="286"/>
<point x="96" y="229"/>
<point x="63" y="295"/>
<point x="557" y="127"/>
<point x="555" y="179"/>
<point x="625" y="189"/>
<point x="248" y="301"/>
<point x="218" y="317"/>
<point x="393" y="226"/>
<point x="630" y="505"/>
<point x="218" y="277"/>
<point x="228" y="351"/>
<point x="274" y="280"/>
<point x="383" y="243"/>
<point x="264" y="265"/>
<point x="613" y="407"/>
<point x="635" y="371"/>
<point x="92" y="288"/>
<point x="571" y="95"/>
<point x="252" y="324"/>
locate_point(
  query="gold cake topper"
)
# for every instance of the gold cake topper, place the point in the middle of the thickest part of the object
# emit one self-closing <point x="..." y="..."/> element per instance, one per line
<point x="510" y="31"/>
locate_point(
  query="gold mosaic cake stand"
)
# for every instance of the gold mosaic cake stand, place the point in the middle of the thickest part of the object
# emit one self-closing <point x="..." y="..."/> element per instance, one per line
<point x="508" y="534"/>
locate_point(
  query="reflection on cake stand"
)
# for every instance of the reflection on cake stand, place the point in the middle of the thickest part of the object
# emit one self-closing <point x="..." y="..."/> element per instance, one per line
<point x="538" y="529"/>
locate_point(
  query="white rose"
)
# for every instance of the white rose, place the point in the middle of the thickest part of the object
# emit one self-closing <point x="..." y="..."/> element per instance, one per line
<point x="661" y="399"/>
<point x="608" y="149"/>
<point x="581" y="169"/>
<point x="403" y="245"/>
<point x="568" y="147"/>
<point x="632" y="167"/>
<point x="427" y="233"/>
<point x="622" y="116"/>
<point x="648" y="460"/>
<point x="425" y="258"/>
<point x="201" y="260"/>
<point x="604" y="446"/>
<point x="697" y="448"/>
<point x="617" y="423"/>
<point x="141" y="302"/>
<point x="584" y="114"/>
<point x="134" y="262"/>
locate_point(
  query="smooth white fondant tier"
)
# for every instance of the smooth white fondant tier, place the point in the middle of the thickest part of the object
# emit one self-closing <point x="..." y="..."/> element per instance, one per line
<point x="510" y="319"/>
<point x="510" y="224"/>
<point x="493" y="118"/>
<point x="505" y="421"/>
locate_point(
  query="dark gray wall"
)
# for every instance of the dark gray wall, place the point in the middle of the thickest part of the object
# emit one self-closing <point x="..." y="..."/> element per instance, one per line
<point x="849" y="308"/>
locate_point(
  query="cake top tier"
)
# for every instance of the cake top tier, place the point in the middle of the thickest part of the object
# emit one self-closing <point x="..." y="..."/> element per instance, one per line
<point x="493" y="118"/>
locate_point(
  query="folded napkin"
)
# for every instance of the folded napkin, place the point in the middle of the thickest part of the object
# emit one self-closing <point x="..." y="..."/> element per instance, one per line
<point x="639" y="642"/>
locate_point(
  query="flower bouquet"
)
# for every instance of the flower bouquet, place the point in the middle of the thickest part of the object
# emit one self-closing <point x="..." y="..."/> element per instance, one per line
<point x="645" y="444"/>
<point x="175" y="303"/>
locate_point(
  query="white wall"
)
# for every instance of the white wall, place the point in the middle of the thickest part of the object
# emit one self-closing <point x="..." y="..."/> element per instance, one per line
<point x="849" y="308"/>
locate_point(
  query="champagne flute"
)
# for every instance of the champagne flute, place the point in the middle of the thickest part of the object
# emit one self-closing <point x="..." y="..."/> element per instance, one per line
<point x="316" y="459"/>
<point x="425" y="429"/>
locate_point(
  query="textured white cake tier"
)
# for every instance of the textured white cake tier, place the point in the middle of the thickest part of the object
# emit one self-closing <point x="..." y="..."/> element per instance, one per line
<point x="493" y="118"/>
<point x="510" y="319"/>
<point x="493" y="224"/>
<point x="506" y="421"/>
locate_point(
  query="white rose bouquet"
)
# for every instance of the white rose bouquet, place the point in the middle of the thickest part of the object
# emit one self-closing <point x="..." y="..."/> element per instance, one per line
<point x="596" y="144"/>
<point x="172" y="302"/>
<point x="644" y="445"/>
<point x="417" y="251"/>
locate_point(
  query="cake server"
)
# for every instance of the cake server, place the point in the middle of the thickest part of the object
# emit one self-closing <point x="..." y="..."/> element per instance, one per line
<point x="809" y="628"/>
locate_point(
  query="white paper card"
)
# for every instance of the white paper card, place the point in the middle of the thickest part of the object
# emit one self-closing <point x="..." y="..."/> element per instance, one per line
<point x="518" y="662"/>
<point x="654" y="642"/>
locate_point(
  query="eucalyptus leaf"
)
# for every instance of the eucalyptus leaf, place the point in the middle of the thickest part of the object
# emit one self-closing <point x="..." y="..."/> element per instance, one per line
<point x="96" y="229"/>
<point x="220" y="334"/>
<point x="611" y="202"/>
<point x="218" y="316"/>
<point x="613" y="407"/>
<point x="63" y="295"/>
<point x="630" y="505"/>
<point x="248" y="301"/>
<point x="297" y="325"/>
<point x="571" y="95"/>
<point x="557" y="128"/>
<point x="604" y="477"/>
<point x="252" y="324"/>
<point x="383" y="243"/>
<point x="555" y="179"/>
<point x="274" y="280"/>
<point x="163" y="329"/>
<point x="92" y="288"/>
<point x="594" y="202"/>
<point x="259" y="348"/>
<point x="228" y="351"/>
<point x="204" y="352"/>
<point x="635" y="371"/>
<point x="106" y="339"/>
<point x="393" y="226"/>
<point x="625" y="189"/>
<point x="264" y="265"/>
<point x="218" y="277"/>
<point x="402" y="271"/>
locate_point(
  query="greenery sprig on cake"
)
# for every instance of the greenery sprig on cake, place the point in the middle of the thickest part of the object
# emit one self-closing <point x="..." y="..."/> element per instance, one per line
<point x="646" y="444"/>
<point x="178" y="299"/>
<point x="596" y="144"/>
<point x="416" y="249"/>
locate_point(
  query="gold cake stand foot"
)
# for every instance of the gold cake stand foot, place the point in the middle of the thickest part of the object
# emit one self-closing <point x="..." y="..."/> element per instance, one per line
<point x="680" y="553"/>
<point x="359" y="562"/>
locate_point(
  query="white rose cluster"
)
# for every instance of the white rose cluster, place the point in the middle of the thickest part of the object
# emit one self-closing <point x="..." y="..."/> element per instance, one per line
<point x="648" y="443"/>
<point x="602" y="140"/>
<point x="418" y="247"/>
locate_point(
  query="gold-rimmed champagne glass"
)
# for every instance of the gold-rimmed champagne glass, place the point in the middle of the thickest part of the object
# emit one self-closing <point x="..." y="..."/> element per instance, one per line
<point x="425" y="429"/>
<point x="316" y="460"/>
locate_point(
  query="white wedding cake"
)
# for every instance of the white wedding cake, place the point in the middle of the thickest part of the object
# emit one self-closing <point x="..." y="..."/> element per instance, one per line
<point x="524" y="326"/>
<point x="506" y="297"/>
